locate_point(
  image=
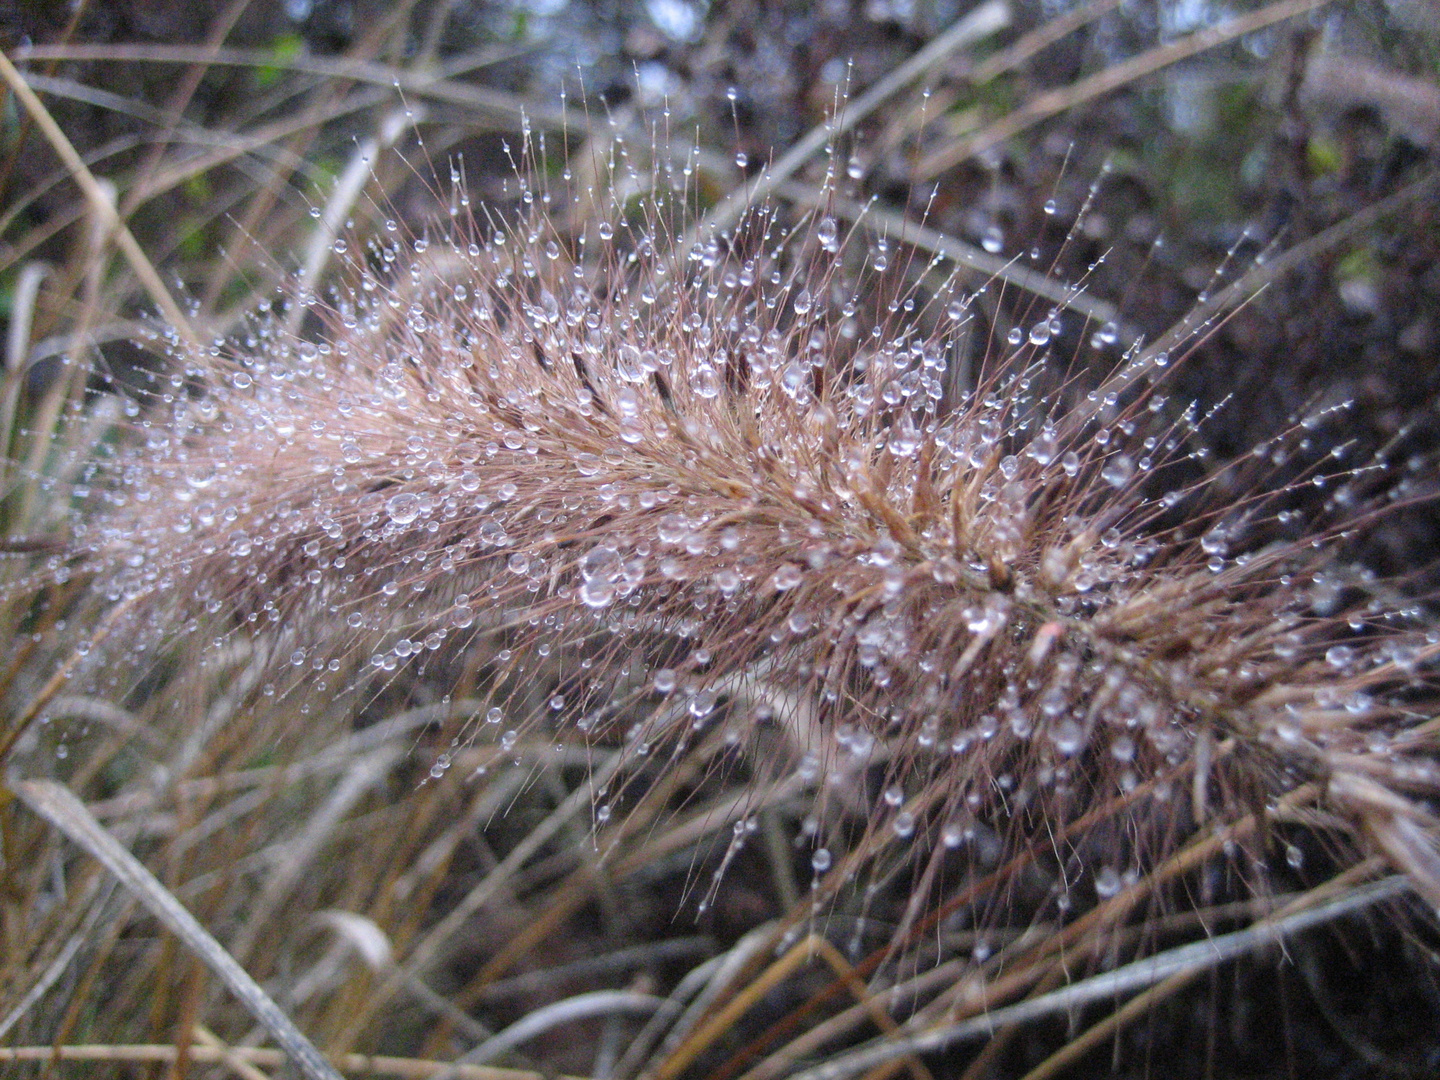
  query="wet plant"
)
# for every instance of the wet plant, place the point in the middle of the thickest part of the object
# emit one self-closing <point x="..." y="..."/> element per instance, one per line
<point x="1029" y="654"/>
<point x="689" y="548"/>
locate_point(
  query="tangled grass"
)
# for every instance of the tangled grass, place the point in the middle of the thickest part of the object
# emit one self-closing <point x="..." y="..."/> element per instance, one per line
<point x="548" y="574"/>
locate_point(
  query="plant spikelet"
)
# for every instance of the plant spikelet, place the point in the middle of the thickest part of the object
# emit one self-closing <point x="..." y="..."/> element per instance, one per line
<point x="745" y="490"/>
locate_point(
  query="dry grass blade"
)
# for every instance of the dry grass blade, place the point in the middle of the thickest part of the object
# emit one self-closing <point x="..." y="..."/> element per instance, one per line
<point x="565" y="1011"/>
<point x="1042" y="37"/>
<point x="1186" y="959"/>
<point x="438" y="85"/>
<point x="341" y="203"/>
<point x="57" y="805"/>
<point x="61" y="962"/>
<point x="103" y="206"/>
<point x="987" y="19"/>
<point x="1112" y="78"/>
<point x="1249" y="284"/>
<point x="896" y="226"/>
<point x="429" y="948"/>
<point x="363" y="773"/>
<point x="380" y="1065"/>
<point x="1147" y="1000"/>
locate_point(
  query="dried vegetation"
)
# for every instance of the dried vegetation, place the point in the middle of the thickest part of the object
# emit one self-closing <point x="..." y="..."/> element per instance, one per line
<point x="630" y="626"/>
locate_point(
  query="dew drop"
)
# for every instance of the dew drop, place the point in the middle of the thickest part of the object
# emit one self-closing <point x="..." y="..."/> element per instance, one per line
<point x="786" y="577"/>
<point x="1118" y="470"/>
<point x="597" y="593"/>
<point x="704" y="381"/>
<point x="1069" y="737"/>
<point x="403" y="508"/>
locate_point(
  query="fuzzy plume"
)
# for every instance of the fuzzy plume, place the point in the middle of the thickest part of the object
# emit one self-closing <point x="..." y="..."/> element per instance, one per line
<point x="1017" y="640"/>
<point x="743" y="484"/>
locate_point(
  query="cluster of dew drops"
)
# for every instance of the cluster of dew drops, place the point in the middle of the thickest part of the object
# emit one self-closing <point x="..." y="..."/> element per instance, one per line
<point x="432" y="449"/>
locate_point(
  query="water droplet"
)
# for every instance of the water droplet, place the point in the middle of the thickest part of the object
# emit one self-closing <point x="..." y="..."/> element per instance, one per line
<point x="827" y="232"/>
<point x="601" y="561"/>
<point x="795" y="379"/>
<point x="403" y="508"/>
<point x="1122" y="748"/>
<point x="704" y="381"/>
<point x="597" y="593"/>
<point x="1069" y="737"/>
<point x="904" y="437"/>
<point x="1118" y="470"/>
<point x="786" y="577"/>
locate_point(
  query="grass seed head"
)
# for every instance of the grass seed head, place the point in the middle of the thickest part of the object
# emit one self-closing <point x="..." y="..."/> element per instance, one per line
<point x="745" y="491"/>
